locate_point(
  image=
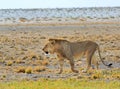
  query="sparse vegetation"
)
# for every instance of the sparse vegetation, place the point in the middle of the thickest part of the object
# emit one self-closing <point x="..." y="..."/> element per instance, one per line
<point x="20" y="70"/>
<point x="28" y="70"/>
<point x="39" y="68"/>
<point x="45" y="62"/>
<point x="22" y="58"/>
<point x="9" y="63"/>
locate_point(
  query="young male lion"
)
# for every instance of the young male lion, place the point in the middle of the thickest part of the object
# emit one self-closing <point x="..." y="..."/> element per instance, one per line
<point x="70" y="50"/>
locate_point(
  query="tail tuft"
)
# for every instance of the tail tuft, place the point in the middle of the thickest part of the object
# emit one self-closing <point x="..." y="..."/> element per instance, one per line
<point x="110" y="65"/>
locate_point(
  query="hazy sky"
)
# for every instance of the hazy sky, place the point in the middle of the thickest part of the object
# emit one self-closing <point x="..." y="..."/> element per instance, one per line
<point x="56" y="3"/>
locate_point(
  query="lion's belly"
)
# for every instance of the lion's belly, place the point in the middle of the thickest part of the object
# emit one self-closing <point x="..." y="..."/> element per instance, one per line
<point x="77" y="55"/>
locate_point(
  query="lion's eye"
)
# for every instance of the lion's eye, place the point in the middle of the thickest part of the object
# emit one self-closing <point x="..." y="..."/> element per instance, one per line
<point x="52" y="42"/>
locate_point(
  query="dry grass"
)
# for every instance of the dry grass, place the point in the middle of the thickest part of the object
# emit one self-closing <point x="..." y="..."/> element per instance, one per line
<point x="20" y="70"/>
<point x="18" y="61"/>
<point x="9" y="63"/>
<point x="96" y="75"/>
<point x="45" y="62"/>
<point x="31" y="55"/>
<point x="28" y="70"/>
<point x="105" y="74"/>
<point x="39" y="68"/>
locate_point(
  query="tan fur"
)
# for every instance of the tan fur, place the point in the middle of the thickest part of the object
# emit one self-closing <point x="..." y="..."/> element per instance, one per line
<point x="71" y="50"/>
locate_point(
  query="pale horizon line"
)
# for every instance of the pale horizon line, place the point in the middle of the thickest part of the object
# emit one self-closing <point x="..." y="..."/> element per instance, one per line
<point x="64" y="7"/>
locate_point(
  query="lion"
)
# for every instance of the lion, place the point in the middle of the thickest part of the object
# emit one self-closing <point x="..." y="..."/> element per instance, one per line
<point x="71" y="50"/>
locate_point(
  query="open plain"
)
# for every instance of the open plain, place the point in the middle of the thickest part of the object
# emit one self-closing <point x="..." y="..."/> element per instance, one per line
<point x="24" y="33"/>
<point x="22" y="58"/>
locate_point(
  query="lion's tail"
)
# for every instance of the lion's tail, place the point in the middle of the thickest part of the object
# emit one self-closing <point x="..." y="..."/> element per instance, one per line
<point x="109" y="65"/>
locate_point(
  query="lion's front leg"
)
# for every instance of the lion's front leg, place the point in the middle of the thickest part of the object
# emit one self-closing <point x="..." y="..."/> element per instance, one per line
<point x="61" y="62"/>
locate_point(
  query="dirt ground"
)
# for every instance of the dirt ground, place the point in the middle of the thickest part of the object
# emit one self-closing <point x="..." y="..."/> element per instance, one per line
<point x="21" y="55"/>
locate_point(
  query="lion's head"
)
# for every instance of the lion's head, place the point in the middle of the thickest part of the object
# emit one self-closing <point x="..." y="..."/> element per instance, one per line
<point x="49" y="47"/>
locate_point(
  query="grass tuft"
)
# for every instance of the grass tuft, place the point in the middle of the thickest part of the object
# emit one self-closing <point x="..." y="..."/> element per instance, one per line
<point x="39" y="68"/>
<point x="9" y="63"/>
<point x="20" y="70"/>
<point x="28" y="70"/>
<point x="45" y="62"/>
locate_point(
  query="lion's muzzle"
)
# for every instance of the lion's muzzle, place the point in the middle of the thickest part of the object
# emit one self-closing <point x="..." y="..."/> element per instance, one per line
<point x="46" y="52"/>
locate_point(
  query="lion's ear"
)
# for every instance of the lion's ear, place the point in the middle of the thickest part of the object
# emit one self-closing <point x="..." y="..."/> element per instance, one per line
<point x="52" y="41"/>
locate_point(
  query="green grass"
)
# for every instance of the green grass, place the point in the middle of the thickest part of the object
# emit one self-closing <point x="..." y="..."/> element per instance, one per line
<point x="62" y="84"/>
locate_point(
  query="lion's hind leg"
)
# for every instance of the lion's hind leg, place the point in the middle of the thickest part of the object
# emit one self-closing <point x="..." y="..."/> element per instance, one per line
<point x="72" y="66"/>
<point x="90" y="54"/>
<point x="95" y="62"/>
